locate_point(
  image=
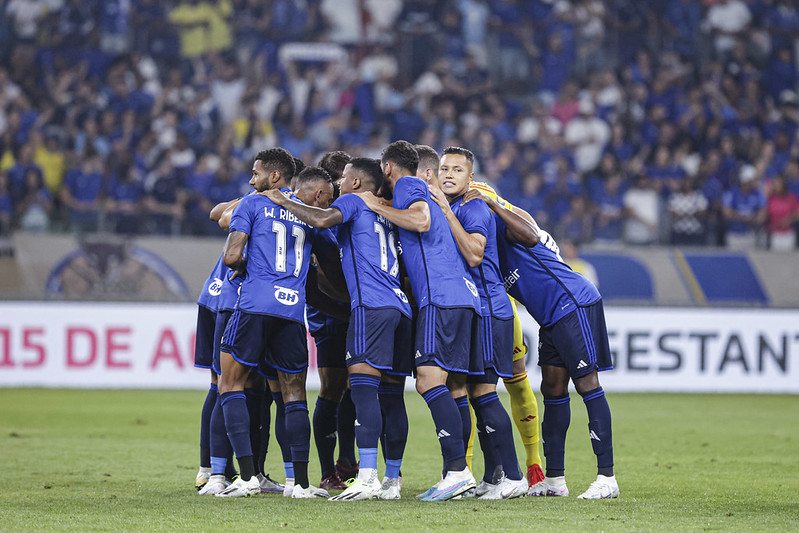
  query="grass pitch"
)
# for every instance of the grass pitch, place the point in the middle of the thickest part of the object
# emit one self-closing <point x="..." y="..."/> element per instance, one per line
<point x="125" y="460"/>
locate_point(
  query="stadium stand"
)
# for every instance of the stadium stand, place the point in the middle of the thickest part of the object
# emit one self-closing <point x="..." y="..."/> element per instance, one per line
<point x="131" y="116"/>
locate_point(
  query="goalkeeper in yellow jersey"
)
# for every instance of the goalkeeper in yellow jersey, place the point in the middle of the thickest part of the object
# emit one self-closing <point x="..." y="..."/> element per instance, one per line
<point x="524" y="408"/>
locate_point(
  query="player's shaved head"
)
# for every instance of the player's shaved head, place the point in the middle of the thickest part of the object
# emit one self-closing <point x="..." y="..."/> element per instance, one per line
<point x="428" y="159"/>
<point x="403" y="155"/>
<point x="314" y="187"/>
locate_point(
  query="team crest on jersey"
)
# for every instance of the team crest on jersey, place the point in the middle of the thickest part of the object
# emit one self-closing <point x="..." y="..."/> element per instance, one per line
<point x="401" y="295"/>
<point x="471" y="286"/>
<point x="286" y="296"/>
<point x="215" y="287"/>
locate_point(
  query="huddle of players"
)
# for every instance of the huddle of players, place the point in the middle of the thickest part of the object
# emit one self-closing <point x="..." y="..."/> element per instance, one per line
<point x="461" y="249"/>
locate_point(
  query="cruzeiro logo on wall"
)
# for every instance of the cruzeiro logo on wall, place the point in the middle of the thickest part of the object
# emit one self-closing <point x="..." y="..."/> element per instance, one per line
<point x="286" y="296"/>
<point x="215" y="287"/>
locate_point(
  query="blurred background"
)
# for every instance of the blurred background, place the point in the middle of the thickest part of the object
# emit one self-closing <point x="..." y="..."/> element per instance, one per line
<point x="657" y="141"/>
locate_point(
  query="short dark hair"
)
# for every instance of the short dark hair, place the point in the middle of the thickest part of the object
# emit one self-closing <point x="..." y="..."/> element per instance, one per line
<point x="370" y="171"/>
<point x="334" y="162"/>
<point x="428" y="158"/>
<point x="278" y="159"/>
<point x="402" y="154"/>
<point x="310" y="175"/>
<point x="299" y="165"/>
<point x="457" y="150"/>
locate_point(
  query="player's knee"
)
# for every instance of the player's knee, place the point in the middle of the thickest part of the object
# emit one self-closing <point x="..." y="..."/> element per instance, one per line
<point x="519" y="367"/>
<point x="586" y="383"/>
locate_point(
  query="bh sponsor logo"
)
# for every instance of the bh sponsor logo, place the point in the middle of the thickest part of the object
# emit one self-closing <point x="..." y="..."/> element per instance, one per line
<point x="286" y="296"/>
<point x="215" y="287"/>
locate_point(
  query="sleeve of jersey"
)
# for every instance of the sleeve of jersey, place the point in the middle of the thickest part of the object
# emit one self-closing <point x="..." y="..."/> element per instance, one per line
<point x="409" y="191"/>
<point x="489" y="191"/>
<point x="476" y="218"/>
<point x="348" y="205"/>
<point x="241" y="220"/>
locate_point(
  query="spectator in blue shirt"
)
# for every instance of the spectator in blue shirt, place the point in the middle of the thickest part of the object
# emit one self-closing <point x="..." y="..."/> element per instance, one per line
<point x="124" y="202"/>
<point x="82" y="194"/>
<point x="745" y="211"/>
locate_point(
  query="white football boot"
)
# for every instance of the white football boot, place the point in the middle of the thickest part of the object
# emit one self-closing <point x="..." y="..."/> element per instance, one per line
<point x="603" y="487"/>
<point x="551" y="486"/>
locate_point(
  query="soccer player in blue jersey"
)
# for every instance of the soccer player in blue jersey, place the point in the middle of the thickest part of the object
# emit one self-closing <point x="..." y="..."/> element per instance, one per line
<point x="474" y="229"/>
<point x="378" y="339"/>
<point x="573" y="343"/>
<point x="334" y="413"/>
<point x="446" y="345"/>
<point x="203" y="356"/>
<point x="269" y="317"/>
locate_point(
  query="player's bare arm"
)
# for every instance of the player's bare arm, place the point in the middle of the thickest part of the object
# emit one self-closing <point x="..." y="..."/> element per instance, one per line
<point x="315" y="216"/>
<point x="520" y="229"/>
<point x="219" y="209"/>
<point x="233" y="254"/>
<point x="471" y="245"/>
<point x="415" y="218"/>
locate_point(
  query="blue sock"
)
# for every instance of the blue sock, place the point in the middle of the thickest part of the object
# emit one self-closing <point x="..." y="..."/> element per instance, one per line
<point x="298" y="427"/>
<point x="489" y="457"/>
<point x="395" y="422"/>
<point x="368" y="457"/>
<point x="499" y="431"/>
<point x="367" y="409"/>
<point x="393" y="468"/>
<point x="346" y="429"/>
<point x="466" y="419"/>
<point x="234" y="407"/>
<point x="205" y="425"/>
<point x="220" y="444"/>
<point x="324" y="433"/>
<point x="280" y="428"/>
<point x="289" y="469"/>
<point x="599" y="429"/>
<point x="254" y="399"/>
<point x="449" y="427"/>
<point x="557" y="416"/>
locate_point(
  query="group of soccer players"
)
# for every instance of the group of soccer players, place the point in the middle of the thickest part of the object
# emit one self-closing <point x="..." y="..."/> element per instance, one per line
<point x="399" y="267"/>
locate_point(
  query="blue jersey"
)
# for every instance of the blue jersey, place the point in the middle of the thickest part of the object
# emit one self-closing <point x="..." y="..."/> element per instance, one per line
<point x="278" y="255"/>
<point x="476" y="217"/>
<point x="435" y="267"/>
<point x="539" y="278"/>
<point x="209" y="296"/>
<point x="368" y="245"/>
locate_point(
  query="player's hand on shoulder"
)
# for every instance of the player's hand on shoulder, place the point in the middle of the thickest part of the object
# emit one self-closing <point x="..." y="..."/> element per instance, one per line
<point x="438" y="196"/>
<point x="371" y="200"/>
<point x="276" y="195"/>
<point x="475" y="194"/>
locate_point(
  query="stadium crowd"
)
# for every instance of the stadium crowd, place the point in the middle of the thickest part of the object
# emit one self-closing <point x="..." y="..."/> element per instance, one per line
<point x="615" y="121"/>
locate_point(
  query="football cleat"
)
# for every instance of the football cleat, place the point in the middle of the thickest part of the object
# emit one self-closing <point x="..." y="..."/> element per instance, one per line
<point x="534" y="474"/>
<point x="332" y="482"/>
<point x="431" y="490"/>
<point x="603" y="487"/>
<point x="360" y="490"/>
<point x="269" y="485"/>
<point x="507" y="489"/>
<point x="390" y="489"/>
<point x="215" y="485"/>
<point x="551" y="486"/>
<point x="202" y="477"/>
<point x="453" y="484"/>
<point x="484" y="487"/>
<point x="288" y="488"/>
<point x="241" y="488"/>
<point x="310" y="492"/>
